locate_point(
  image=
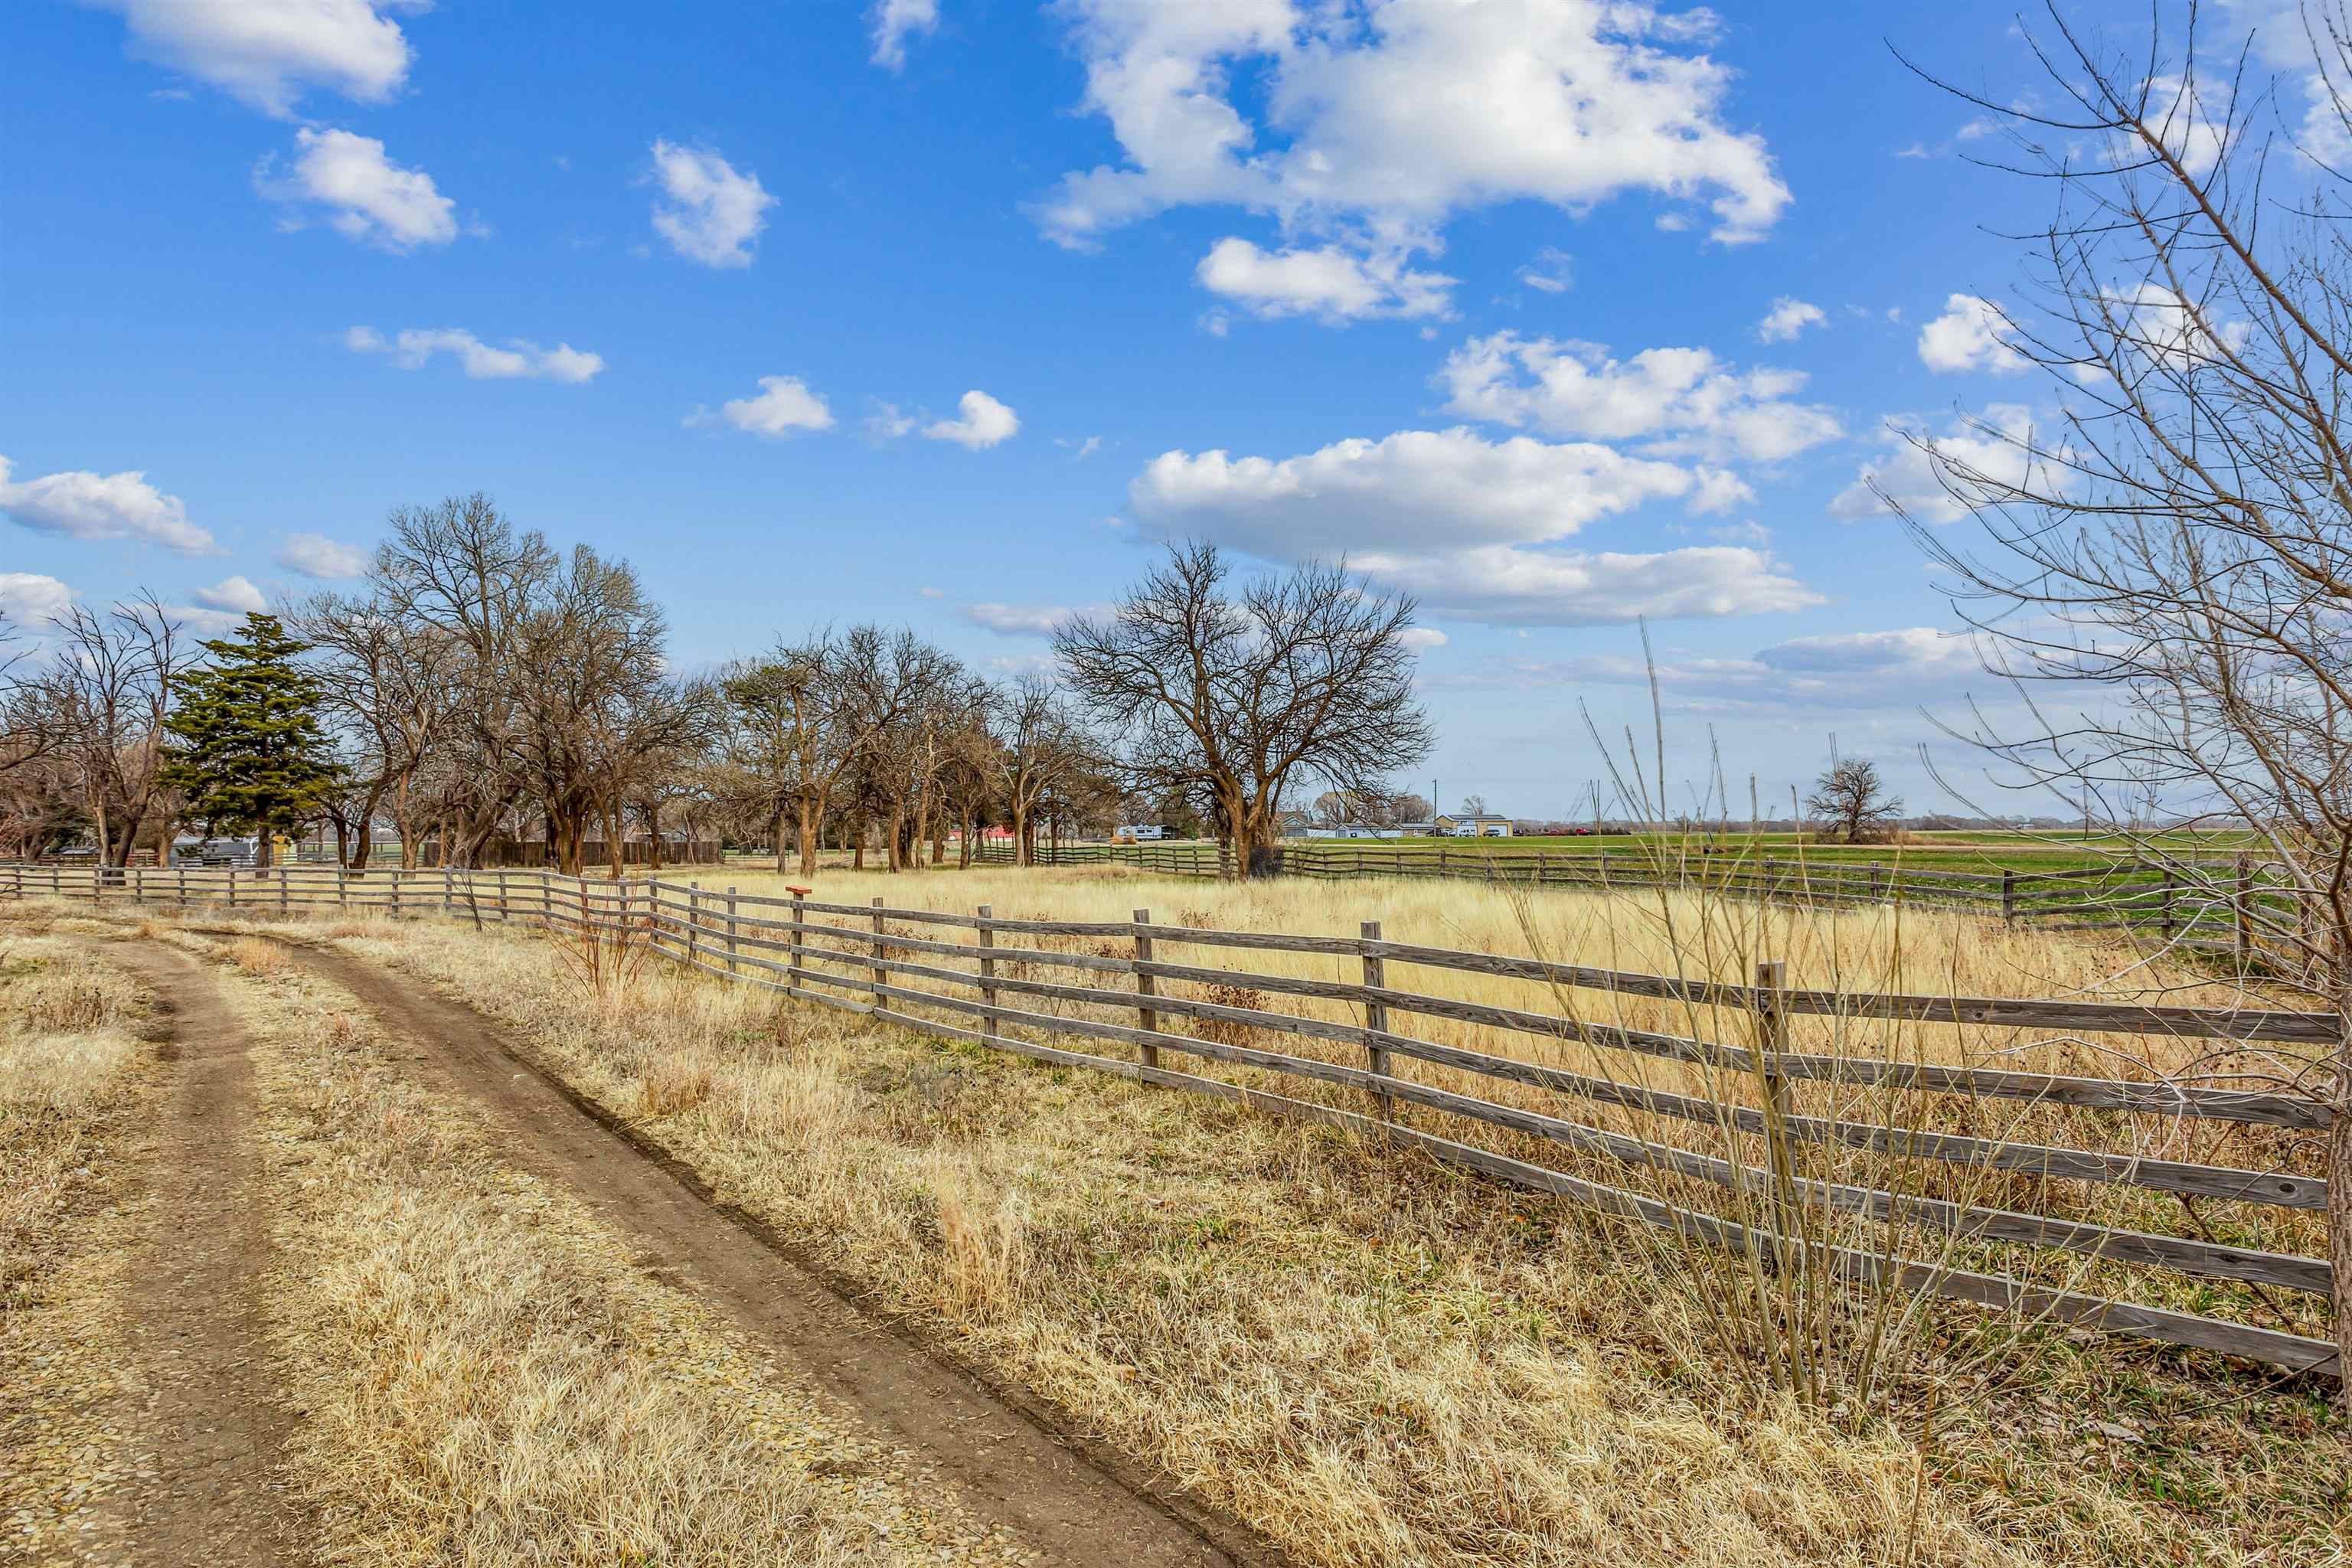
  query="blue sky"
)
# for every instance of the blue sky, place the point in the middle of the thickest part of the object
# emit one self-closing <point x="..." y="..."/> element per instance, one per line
<point x="944" y="312"/>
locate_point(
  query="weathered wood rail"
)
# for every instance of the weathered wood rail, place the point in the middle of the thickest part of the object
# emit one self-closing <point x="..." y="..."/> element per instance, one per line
<point x="869" y="959"/>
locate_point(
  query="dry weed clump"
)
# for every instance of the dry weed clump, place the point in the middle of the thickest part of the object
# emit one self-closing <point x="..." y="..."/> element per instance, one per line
<point x="672" y="1084"/>
<point x="259" y="956"/>
<point x="1230" y="1031"/>
<point x="49" y="994"/>
<point x="800" y="1101"/>
<point x="983" y="1241"/>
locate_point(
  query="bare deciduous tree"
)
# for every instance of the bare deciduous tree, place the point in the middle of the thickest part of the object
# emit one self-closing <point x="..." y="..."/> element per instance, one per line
<point x="2177" y="540"/>
<point x="1039" y="747"/>
<point x="108" y="690"/>
<point x="803" y="717"/>
<point x="1304" y="675"/>
<point x="461" y="570"/>
<point x="1850" y="799"/>
<point x="390" y="688"/>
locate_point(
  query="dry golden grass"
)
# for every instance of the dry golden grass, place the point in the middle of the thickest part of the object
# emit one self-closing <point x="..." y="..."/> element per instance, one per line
<point x="486" y="1377"/>
<point x="1375" y="1360"/>
<point x="65" y="1047"/>
<point x="70" y="1116"/>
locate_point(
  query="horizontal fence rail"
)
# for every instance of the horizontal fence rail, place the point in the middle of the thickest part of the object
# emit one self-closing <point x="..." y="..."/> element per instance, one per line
<point x="909" y="966"/>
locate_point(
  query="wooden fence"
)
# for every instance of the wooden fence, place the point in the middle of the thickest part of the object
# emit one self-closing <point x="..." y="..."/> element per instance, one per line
<point x="916" y="968"/>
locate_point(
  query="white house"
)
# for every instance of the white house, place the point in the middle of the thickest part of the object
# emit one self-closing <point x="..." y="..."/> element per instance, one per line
<point x="1468" y="827"/>
<point x="1138" y="832"/>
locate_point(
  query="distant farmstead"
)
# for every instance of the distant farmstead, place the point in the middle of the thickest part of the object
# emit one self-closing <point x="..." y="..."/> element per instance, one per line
<point x="1466" y="826"/>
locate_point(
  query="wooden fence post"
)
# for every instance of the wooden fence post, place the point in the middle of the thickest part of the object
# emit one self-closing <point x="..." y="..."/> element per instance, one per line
<point x="2008" y="896"/>
<point x="1145" y="1018"/>
<point x="731" y="943"/>
<point x="693" y="913"/>
<point x="875" y="974"/>
<point x="2241" y="913"/>
<point x="799" y="940"/>
<point x="282" y="900"/>
<point x="1376" y="1020"/>
<point x="988" y="1026"/>
<point x="1771" y="1041"/>
<point x="2168" y="904"/>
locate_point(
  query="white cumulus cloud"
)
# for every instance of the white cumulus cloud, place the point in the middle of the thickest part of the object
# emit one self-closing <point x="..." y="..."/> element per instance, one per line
<point x="1842" y="672"/>
<point x="1421" y="639"/>
<point x="1510" y="586"/>
<point x="785" y="405"/>
<point x="896" y="21"/>
<point x="1552" y="271"/>
<point x="1414" y="490"/>
<point x="1474" y="527"/>
<point x="1027" y="620"/>
<point x="710" y="211"/>
<point x="268" y="53"/>
<point x="1387" y="119"/>
<point x="83" y="505"/>
<point x="365" y="195"/>
<point x="1788" y="318"/>
<point x="1929" y="482"/>
<point x="981" y="422"/>
<point x="1679" y="399"/>
<point x="28" y="600"/>
<point x="414" y="346"/>
<point x="314" y="555"/>
<point x="1971" y="334"/>
<point x="233" y="595"/>
<point x="1327" y="281"/>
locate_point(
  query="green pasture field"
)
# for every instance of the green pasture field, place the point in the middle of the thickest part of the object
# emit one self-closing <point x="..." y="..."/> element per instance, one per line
<point x="1987" y="852"/>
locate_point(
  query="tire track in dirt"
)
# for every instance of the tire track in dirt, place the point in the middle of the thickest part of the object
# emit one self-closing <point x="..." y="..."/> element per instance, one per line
<point x="193" y="1303"/>
<point x="1075" y="1502"/>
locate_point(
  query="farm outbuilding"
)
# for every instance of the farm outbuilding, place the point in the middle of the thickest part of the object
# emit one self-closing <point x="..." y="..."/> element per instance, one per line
<point x="1469" y="827"/>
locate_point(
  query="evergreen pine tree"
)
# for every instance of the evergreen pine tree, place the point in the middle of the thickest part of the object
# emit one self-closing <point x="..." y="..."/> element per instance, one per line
<point x="248" y="751"/>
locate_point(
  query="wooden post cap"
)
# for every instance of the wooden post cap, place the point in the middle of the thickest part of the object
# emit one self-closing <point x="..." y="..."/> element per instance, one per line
<point x="798" y="892"/>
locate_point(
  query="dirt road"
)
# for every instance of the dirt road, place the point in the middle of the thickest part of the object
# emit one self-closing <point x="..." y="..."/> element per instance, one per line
<point x="1072" y="1506"/>
<point x="193" y="1311"/>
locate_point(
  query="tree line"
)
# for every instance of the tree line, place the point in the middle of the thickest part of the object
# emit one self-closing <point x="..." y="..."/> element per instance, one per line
<point x="483" y="695"/>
